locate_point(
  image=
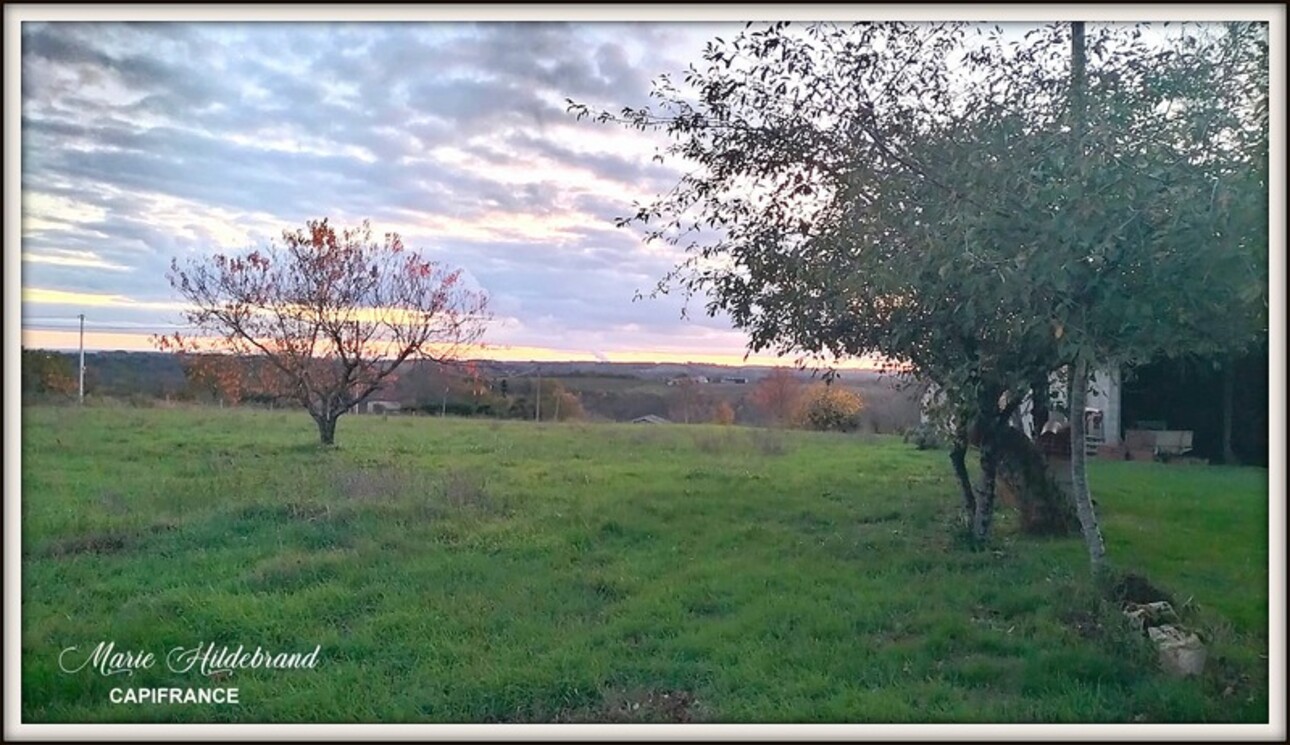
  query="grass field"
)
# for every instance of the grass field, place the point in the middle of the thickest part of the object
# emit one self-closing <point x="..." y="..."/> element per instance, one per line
<point x="472" y="571"/>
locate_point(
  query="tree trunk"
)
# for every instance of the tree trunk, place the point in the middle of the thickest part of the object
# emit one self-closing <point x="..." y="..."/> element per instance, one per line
<point x="1042" y="503"/>
<point x="327" y="429"/>
<point x="1229" y="395"/>
<point x="958" y="453"/>
<point x="1079" y="478"/>
<point x="985" y="496"/>
<point x="1038" y="406"/>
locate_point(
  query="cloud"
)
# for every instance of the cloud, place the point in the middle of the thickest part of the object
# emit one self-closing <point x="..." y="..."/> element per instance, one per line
<point x="85" y="259"/>
<point x="41" y="296"/>
<point x="143" y="142"/>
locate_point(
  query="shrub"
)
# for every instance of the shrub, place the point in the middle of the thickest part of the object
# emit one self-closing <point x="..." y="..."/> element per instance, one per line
<point x="830" y="408"/>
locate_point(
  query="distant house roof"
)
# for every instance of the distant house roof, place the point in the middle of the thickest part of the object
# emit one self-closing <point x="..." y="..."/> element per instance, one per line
<point x="375" y="405"/>
<point x="650" y="419"/>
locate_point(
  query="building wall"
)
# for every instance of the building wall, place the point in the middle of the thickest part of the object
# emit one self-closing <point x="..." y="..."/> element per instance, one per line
<point x="1104" y="394"/>
<point x="381" y="407"/>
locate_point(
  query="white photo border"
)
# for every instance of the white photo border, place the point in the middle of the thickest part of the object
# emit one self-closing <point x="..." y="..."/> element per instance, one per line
<point x="15" y="14"/>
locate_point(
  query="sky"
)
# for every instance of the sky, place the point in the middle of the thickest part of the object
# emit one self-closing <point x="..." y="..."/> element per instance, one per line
<point x="143" y="142"/>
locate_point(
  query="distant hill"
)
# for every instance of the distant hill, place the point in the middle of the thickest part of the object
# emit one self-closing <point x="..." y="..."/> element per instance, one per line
<point x="126" y="373"/>
<point x="646" y="370"/>
<point x="160" y="374"/>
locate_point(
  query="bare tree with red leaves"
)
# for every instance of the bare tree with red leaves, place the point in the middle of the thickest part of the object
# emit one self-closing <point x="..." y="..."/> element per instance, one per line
<point x="233" y="379"/>
<point x="333" y="313"/>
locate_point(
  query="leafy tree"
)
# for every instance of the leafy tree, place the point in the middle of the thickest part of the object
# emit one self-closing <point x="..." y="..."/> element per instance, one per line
<point x="47" y="372"/>
<point x="910" y="191"/>
<point x="814" y="221"/>
<point x="723" y="413"/>
<point x="1166" y="260"/>
<point x="334" y="313"/>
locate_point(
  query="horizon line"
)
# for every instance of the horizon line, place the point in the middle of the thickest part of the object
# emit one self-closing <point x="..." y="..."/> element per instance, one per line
<point x="66" y="341"/>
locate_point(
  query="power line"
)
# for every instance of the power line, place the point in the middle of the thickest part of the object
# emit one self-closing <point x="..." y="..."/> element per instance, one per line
<point x="31" y="318"/>
<point x="122" y="327"/>
<point x="43" y="319"/>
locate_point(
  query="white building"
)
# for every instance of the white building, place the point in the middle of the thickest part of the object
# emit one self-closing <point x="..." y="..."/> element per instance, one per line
<point x="1103" y="398"/>
<point x="1103" y="402"/>
<point x="377" y="406"/>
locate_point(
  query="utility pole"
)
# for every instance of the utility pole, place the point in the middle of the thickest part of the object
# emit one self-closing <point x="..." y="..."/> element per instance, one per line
<point x="443" y="409"/>
<point x="537" y="410"/>
<point x="81" y="386"/>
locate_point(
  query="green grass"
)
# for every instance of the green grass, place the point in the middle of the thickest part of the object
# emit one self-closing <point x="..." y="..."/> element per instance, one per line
<point x="471" y="571"/>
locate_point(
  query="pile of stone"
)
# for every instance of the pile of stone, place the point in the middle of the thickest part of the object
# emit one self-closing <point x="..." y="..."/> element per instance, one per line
<point x="1182" y="654"/>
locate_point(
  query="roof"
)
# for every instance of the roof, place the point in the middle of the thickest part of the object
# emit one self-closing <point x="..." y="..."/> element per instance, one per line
<point x="650" y="419"/>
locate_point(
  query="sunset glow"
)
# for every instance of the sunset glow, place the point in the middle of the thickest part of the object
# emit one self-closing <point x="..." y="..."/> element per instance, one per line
<point x="138" y="342"/>
<point x="454" y="136"/>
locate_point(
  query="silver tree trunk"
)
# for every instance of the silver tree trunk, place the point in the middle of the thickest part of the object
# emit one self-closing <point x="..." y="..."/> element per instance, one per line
<point x="1079" y="476"/>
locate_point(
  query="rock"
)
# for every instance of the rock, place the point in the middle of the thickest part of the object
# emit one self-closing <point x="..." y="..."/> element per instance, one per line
<point x="1144" y="616"/>
<point x="1182" y="654"/>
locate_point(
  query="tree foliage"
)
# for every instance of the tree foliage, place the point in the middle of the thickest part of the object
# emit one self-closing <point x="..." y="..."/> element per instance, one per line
<point x="916" y="192"/>
<point x="45" y="372"/>
<point x="333" y="313"/>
